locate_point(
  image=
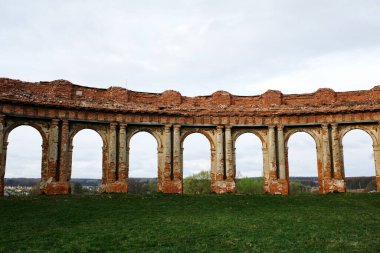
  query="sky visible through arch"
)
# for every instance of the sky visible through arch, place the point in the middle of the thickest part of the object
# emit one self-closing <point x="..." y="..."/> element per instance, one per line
<point x="196" y="47"/>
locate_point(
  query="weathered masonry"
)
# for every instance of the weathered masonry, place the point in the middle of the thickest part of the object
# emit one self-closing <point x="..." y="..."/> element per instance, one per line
<point x="60" y="109"/>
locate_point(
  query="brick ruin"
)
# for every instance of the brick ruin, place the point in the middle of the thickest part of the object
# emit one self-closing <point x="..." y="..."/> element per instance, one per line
<point x="60" y="109"/>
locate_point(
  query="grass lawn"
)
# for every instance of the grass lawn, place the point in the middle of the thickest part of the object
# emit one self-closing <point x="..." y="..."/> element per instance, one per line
<point x="208" y="223"/>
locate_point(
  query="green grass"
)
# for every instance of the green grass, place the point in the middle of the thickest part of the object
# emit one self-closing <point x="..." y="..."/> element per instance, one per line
<point x="208" y="223"/>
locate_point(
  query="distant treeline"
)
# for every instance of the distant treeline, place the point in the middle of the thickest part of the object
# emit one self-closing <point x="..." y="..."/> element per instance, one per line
<point x="142" y="185"/>
<point x="307" y="181"/>
<point x="21" y="181"/>
<point x="367" y="183"/>
<point x="200" y="183"/>
<point x="34" y="181"/>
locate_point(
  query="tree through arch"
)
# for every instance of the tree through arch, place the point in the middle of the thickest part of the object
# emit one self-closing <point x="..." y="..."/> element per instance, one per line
<point x="23" y="161"/>
<point x="302" y="163"/>
<point x="87" y="160"/>
<point x="358" y="160"/>
<point x="249" y="163"/>
<point x="197" y="163"/>
<point x="143" y="163"/>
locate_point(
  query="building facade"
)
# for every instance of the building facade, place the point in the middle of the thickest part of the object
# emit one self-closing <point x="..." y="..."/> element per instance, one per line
<point x="60" y="109"/>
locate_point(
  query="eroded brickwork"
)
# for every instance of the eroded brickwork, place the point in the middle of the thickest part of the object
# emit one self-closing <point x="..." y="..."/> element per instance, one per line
<point x="60" y="109"/>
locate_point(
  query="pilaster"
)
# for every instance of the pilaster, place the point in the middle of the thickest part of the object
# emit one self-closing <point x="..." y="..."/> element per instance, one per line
<point x="122" y="165"/>
<point x="326" y="159"/>
<point x="53" y="150"/>
<point x="272" y="153"/>
<point x="337" y="159"/>
<point x="229" y="154"/>
<point x="281" y="151"/>
<point x="63" y="159"/>
<point x="376" y="152"/>
<point x="56" y="181"/>
<point x="277" y="183"/>
<point x="112" y="154"/>
<point x="111" y="160"/>
<point x="165" y="172"/>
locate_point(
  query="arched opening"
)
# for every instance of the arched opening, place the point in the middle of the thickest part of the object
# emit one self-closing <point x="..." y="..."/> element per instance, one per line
<point x="302" y="163"/>
<point x="86" y="172"/>
<point x="359" y="165"/>
<point x="196" y="164"/>
<point x="143" y="164"/>
<point x="249" y="164"/>
<point x="23" y="162"/>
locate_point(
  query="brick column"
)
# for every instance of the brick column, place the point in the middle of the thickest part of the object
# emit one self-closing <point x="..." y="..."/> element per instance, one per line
<point x="376" y="153"/>
<point x="281" y="151"/>
<point x="326" y="159"/>
<point x="338" y="182"/>
<point x="265" y="167"/>
<point x="177" y="173"/>
<point x="122" y="166"/>
<point x="44" y="162"/>
<point x="283" y="179"/>
<point x="62" y="186"/>
<point x="114" y="160"/>
<point x="51" y="185"/>
<point x="53" y="150"/>
<point x="104" y="166"/>
<point x="167" y="153"/>
<point x="229" y="154"/>
<point x="69" y="161"/>
<point x="272" y="153"/>
<point x="109" y="160"/>
<point x="164" y="173"/>
<point x="218" y="182"/>
<point x="337" y="158"/>
<point x="63" y="159"/>
<point x="229" y="160"/>
<point x="276" y="160"/>
<point x="219" y="154"/>
<point x="172" y="180"/>
<point x="117" y="157"/>
<point x="112" y="154"/>
<point x="3" y="156"/>
<point x="127" y="163"/>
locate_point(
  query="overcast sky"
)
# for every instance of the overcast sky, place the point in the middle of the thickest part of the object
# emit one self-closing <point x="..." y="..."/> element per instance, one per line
<point x="195" y="47"/>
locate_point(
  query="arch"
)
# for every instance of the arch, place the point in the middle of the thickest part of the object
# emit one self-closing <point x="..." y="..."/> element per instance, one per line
<point x="304" y="181"/>
<point x="199" y="131"/>
<point x="238" y="133"/>
<point x="130" y="134"/>
<point x="30" y="165"/>
<point x="143" y="169"/>
<point x="198" y="176"/>
<point x="78" y="129"/>
<point x="249" y="181"/>
<point x="261" y="147"/>
<point x="355" y="179"/>
<point x="36" y="126"/>
<point x="365" y="129"/>
<point x="310" y="132"/>
<point x="204" y="138"/>
<point x="72" y="149"/>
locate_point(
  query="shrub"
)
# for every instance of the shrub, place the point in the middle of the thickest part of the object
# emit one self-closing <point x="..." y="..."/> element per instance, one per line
<point x="76" y="188"/>
<point x="35" y="190"/>
<point x="298" y="187"/>
<point x="249" y="185"/>
<point x="142" y="185"/>
<point x="197" y="184"/>
<point x="371" y="186"/>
